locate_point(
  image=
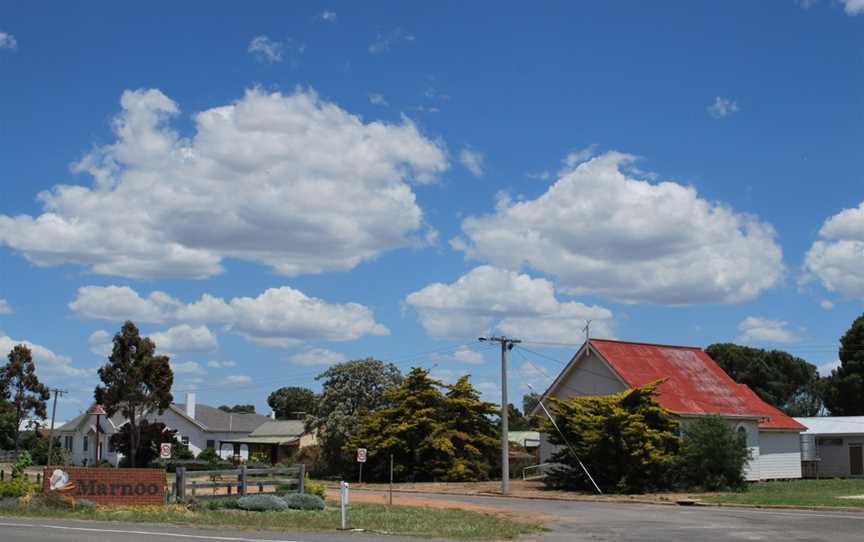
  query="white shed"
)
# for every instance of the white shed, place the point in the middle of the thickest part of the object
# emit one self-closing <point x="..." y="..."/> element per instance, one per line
<point x="833" y="446"/>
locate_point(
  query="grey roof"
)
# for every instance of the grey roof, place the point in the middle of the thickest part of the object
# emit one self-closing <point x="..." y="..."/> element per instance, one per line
<point x="833" y="425"/>
<point x="213" y="419"/>
<point x="285" y="428"/>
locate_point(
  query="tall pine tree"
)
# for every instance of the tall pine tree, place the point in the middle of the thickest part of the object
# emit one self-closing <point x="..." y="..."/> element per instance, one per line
<point x="411" y="428"/>
<point x="844" y="389"/>
<point x="25" y="394"/>
<point x="472" y="433"/>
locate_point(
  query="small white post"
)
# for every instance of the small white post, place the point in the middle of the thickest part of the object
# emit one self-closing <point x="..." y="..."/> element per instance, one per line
<point x="343" y="501"/>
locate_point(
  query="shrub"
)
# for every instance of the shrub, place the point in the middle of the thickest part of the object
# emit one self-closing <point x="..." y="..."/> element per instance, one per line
<point x="314" y="488"/>
<point x="262" y="503"/>
<point x="303" y="501"/>
<point x="313" y="458"/>
<point x="9" y="503"/>
<point x="84" y="504"/>
<point x="627" y="439"/>
<point x="58" y="501"/>
<point x="713" y="455"/>
<point x="24" y="461"/>
<point x="209" y="455"/>
<point x="223" y="504"/>
<point x="15" y="487"/>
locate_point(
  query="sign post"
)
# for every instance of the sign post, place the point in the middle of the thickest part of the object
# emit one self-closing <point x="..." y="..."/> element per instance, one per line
<point x="343" y="503"/>
<point x="361" y="458"/>
<point x="165" y="450"/>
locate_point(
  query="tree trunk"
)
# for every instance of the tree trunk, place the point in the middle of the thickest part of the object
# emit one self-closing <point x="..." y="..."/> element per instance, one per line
<point x="17" y="427"/>
<point x="133" y="439"/>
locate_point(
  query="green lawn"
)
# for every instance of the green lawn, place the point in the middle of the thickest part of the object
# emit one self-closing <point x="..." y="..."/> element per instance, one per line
<point x="796" y="493"/>
<point x="403" y="520"/>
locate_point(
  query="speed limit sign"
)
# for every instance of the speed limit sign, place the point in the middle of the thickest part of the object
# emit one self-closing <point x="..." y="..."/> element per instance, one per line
<point x="361" y="455"/>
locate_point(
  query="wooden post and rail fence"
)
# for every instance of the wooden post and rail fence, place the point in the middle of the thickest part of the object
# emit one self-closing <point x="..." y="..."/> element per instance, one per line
<point x="235" y="482"/>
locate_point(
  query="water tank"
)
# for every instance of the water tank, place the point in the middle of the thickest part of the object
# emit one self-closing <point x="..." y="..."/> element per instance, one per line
<point x="808" y="447"/>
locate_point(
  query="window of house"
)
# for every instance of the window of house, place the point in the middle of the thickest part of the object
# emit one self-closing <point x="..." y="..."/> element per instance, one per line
<point x="68" y="442"/>
<point x="86" y="443"/>
<point x="824" y="441"/>
<point x="211" y="444"/>
<point x="185" y="440"/>
<point x="110" y="446"/>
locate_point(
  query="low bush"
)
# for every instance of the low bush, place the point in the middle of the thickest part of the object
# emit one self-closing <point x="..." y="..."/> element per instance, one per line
<point x="16" y="487"/>
<point x="209" y="455"/>
<point x="60" y="502"/>
<point x="314" y="488"/>
<point x="9" y="503"/>
<point x="262" y="503"/>
<point x="223" y="504"/>
<point x="303" y="501"/>
<point x="713" y="456"/>
<point x="84" y="504"/>
<point x="24" y="461"/>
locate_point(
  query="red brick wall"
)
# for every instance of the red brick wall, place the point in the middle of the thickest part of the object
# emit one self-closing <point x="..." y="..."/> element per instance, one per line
<point x="112" y="486"/>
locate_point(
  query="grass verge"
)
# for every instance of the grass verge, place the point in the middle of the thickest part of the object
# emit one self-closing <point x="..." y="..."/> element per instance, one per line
<point x="397" y="520"/>
<point x="803" y="493"/>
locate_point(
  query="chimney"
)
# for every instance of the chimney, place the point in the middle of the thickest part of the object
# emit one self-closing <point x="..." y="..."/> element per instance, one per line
<point x="190" y="405"/>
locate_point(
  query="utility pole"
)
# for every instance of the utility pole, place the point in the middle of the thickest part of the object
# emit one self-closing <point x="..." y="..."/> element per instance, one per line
<point x="51" y="431"/>
<point x="506" y="346"/>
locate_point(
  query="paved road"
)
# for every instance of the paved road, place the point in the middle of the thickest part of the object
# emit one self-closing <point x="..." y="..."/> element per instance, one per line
<point x="595" y="521"/>
<point x="576" y="521"/>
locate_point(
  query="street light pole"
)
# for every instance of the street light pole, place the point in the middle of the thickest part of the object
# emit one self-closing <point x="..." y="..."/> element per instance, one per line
<point x="506" y="346"/>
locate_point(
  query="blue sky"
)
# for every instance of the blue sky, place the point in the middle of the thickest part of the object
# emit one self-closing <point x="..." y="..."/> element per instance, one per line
<point x="269" y="191"/>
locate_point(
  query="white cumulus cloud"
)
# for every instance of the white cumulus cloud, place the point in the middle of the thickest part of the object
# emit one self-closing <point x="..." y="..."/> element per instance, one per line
<point x="598" y="230"/>
<point x="188" y="368"/>
<point x="48" y="364"/>
<point x="120" y="303"/>
<point x="473" y="160"/>
<point x="317" y="356"/>
<point x="837" y="258"/>
<point x="237" y="380"/>
<point x="185" y="338"/>
<point x="754" y="329"/>
<point x="101" y="343"/>
<point x="488" y="298"/>
<point x="5" y="307"/>
<point x="462" y="354"/>
<point x="277" y="317"/>
<point x="216" y="364"/>
<point x="290" y="181"/>
<point x="853" y="7"/>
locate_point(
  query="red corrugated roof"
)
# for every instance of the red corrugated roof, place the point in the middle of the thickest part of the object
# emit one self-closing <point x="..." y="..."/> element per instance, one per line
<point x="694" y="384"/>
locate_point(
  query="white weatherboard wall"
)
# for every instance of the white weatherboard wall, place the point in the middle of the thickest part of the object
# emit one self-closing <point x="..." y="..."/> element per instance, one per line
<point x="779" y="455"/>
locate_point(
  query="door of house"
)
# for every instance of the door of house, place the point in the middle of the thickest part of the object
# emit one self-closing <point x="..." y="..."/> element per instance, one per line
<point x="856" y="460"/>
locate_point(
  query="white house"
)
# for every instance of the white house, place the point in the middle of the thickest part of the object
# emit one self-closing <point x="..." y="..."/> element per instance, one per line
<point x="833" y="446"/>
<point x="198" y="426"/>
<point x="694" y="386"/>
